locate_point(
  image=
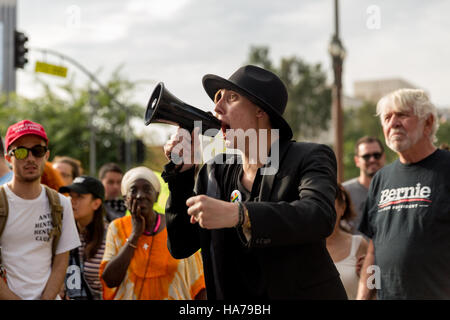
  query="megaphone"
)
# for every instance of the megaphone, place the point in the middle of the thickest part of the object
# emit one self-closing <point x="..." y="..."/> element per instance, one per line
<point x="164" y="107"/>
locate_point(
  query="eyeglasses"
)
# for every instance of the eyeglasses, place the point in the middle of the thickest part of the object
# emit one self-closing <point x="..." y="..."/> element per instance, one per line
<point x="376" y="155"/>
<point x="22" y="152"/>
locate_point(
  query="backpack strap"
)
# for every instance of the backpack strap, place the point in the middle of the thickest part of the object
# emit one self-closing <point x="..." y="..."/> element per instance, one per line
<point x="3" y="209"/>
<point x="3" y="217"/>
<point x="57" y="214"/>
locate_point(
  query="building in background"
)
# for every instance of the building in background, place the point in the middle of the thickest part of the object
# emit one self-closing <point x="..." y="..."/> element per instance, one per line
<point x="374" y="90"/>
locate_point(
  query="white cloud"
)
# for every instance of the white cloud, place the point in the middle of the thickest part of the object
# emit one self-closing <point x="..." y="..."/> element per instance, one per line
<point x="160" y="9"/>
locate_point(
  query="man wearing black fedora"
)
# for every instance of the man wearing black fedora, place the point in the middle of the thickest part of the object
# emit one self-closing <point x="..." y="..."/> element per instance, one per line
<point x="261" y="232"/>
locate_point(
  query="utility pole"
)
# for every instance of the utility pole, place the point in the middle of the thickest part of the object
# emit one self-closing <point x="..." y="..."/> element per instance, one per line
<point x="93" y="105"/>
<point x="8" y="18"/>
<point x="127" y="140"/>
<point x="337" y="53"/>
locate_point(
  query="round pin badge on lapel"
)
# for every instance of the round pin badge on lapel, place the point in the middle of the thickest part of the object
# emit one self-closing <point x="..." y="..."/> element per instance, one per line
<point x="236" y="196"/>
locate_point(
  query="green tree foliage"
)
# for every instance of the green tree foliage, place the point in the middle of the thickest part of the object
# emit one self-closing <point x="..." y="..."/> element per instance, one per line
<point x="443" y="133"/>
<point x="309" y="106"/>
<point x="156" y="158"/>
<point x="66" y="117"/>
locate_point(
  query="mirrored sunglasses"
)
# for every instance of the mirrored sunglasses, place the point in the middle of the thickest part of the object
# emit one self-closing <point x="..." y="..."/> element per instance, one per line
<point x="22" y="152"/>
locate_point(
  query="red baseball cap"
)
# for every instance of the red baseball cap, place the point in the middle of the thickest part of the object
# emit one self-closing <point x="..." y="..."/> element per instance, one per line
<point x="23" y="128"/>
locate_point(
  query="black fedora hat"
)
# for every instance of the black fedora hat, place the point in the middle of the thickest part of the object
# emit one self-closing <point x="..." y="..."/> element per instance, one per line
<point x="261" y="87"/>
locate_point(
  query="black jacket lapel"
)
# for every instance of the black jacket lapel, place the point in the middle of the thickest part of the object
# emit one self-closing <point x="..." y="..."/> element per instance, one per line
<point x="268" y="179"/>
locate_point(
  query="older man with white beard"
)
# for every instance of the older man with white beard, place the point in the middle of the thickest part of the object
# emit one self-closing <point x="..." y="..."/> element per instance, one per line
<point x="407" y="213"/>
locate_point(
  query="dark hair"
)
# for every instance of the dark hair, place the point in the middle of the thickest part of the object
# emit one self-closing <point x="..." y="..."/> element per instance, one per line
<point x="108" y="167"/>
<point x="368" y="139"/>
<point x="95" y="232"/>
<point x="74" y="163"/>
<point x="2" y="147"/>
<point x="343" y="197"/>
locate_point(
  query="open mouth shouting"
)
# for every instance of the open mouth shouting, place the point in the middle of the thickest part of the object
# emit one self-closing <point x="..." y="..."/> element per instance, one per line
<point x="224" y="128"/>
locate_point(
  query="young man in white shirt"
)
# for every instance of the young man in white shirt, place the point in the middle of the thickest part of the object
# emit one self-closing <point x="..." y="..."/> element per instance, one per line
<point x="32" y="271"/>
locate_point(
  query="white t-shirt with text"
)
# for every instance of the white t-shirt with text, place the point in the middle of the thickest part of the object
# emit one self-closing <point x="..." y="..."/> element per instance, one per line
<point x="26" y="246"/>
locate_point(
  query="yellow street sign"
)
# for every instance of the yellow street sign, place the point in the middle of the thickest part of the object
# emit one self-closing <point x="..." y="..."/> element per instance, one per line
<point x="52" y="69"/>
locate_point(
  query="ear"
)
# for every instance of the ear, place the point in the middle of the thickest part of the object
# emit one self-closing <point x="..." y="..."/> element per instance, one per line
<point x="260" y="113"/>
<point x="8" y="157"/>
<point x="428" y="125"/>
<point x="47" y="155"/>
<point x="356" y="159"/>
<point x="96" y="203"/>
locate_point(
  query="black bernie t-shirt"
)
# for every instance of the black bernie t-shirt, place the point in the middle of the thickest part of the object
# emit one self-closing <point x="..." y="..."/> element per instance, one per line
<point x="407" y="215"/>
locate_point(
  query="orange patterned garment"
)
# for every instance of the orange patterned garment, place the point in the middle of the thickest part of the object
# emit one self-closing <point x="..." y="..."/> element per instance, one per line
<point x="153" y="274"/>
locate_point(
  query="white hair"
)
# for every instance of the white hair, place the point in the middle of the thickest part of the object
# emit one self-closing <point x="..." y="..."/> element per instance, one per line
<point x="415" y="100"/>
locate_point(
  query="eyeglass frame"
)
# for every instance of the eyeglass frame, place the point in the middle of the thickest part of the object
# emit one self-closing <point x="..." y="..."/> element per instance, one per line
<point x="13" y="151"/>
<point x="375" y="155"/>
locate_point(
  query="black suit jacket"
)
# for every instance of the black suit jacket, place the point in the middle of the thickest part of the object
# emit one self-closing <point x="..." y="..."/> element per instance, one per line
<point x="290" y="220"/>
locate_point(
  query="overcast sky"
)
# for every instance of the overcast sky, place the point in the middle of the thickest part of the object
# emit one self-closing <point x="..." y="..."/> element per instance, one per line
<point x="178" y="41"/>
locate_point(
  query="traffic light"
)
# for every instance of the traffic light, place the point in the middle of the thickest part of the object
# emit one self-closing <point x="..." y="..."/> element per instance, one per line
<point x="20" y="51"/>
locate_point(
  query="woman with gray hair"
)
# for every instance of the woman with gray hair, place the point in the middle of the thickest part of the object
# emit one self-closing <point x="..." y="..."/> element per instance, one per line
<point x="137" y="264"/>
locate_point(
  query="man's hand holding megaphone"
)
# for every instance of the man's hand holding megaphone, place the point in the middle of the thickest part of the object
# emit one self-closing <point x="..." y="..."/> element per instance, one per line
<point x="183" y="149"/>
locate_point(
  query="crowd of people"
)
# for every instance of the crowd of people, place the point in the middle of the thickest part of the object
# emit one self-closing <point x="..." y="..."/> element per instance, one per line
<point x="231" y="228"/>
<point x="105" y="233"/>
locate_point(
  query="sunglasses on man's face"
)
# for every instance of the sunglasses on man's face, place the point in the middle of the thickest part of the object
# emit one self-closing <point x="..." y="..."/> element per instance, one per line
<point x="22" y="152"/>
<point x="376" y="155"/>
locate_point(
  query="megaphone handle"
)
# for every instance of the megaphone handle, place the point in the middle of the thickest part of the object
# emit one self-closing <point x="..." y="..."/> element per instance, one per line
<point x="170" y="167"/>
<point x="170" y="170"/>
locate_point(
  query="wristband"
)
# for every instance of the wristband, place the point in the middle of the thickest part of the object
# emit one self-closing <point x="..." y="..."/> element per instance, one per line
<point x="241" y="215"/>
<point x="247" y="224"/>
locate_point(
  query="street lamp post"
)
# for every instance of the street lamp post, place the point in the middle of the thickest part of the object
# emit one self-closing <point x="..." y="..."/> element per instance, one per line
<point x="337" y="53"/>
<point x="93" y="105"/>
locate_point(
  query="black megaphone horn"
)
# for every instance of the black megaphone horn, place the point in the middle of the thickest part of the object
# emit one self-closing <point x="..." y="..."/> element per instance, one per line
<point x="164" y="107"/>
